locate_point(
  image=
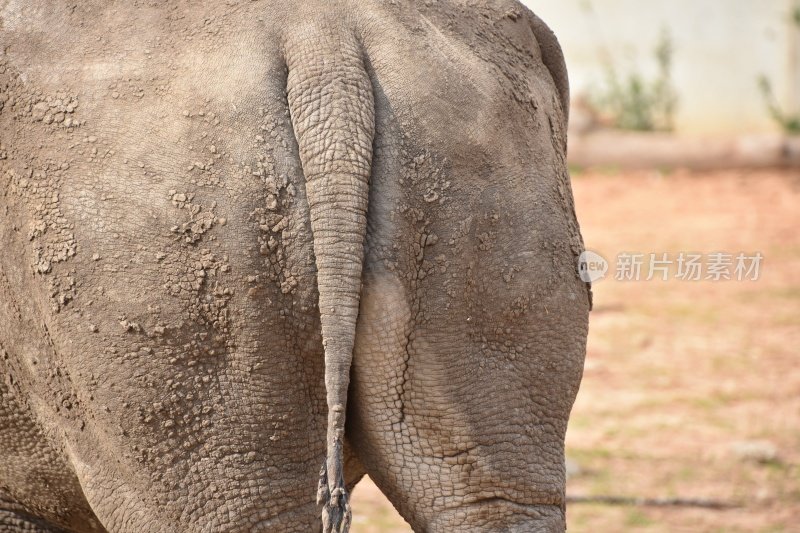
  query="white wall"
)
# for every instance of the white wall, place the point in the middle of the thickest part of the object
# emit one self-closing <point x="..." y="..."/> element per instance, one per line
<point x="721" y="48"/>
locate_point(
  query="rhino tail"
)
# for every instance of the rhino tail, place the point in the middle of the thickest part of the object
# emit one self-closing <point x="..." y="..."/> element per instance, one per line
<point x="331" y="104"/>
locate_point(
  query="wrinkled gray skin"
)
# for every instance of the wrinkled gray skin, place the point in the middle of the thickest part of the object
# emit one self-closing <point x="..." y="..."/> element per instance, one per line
<point x="208" y="208"/>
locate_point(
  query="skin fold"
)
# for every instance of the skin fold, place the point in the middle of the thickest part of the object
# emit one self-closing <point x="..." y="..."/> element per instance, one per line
<point x="245" y="240"/>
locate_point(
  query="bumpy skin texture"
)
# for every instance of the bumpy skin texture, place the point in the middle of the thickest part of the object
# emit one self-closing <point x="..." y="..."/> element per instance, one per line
<point x="193" y="195"/>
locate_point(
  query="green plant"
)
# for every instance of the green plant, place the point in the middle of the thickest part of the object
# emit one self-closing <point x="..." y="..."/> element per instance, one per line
<point x="789" y="122"/>
<point x="635" y="103"/>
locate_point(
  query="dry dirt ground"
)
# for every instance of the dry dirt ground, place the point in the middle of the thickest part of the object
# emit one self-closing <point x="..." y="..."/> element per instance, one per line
<point x="691" y="389"/>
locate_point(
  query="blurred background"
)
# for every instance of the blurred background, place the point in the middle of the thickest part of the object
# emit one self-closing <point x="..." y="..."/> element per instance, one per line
<point x="684" y="139"/>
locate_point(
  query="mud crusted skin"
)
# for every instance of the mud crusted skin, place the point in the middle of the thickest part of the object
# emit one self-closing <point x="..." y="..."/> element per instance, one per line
<point x="189" y="193"/>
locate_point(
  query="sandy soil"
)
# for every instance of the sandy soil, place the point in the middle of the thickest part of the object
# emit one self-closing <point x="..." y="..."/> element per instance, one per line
<point x="691" y="389"/>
